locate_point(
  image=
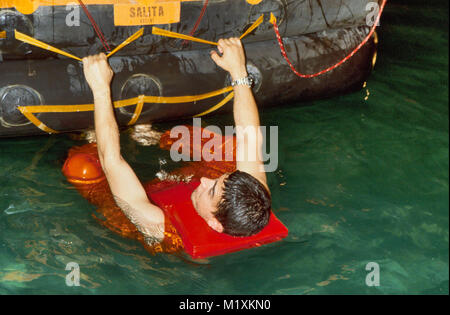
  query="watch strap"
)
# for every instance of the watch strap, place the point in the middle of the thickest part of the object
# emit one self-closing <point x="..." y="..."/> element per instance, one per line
<point x="243" y="81"/>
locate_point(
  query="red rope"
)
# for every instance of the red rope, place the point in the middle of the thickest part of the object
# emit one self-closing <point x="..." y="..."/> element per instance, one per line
<point x="199" y="19"/>
<point x="283" y="51"/>
<point x="96" y="28"/>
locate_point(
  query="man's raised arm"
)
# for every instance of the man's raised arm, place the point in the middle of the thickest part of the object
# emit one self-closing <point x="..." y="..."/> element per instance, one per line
<point x="128" y="191"/>
<point x="246" y="116"/>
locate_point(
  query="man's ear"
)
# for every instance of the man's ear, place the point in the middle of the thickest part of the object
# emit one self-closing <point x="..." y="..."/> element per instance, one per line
<point x="215" y="225"/>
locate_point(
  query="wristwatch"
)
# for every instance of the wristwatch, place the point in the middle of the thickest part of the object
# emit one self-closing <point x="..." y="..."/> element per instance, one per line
<point x="243" y="81"/>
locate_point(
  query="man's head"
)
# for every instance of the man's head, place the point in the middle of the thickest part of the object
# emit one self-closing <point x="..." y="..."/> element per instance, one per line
<point x="236" y="204"/>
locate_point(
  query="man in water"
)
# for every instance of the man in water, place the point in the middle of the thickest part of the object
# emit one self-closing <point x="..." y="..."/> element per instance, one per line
<point x="237" y="204"/>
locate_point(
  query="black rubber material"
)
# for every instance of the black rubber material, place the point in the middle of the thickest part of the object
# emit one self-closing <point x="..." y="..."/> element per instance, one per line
<point x="171" y="70"/>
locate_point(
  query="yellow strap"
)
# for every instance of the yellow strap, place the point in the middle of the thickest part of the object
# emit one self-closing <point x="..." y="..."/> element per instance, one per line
<point x="187" y="98"/>
<point x="2" y="34"/>
<point x="375" y="37"/>
<point x="56" y="108"/>
<point x="123" y="103"/>
<point x="35" y="42"/>
<point x="137" y="111"/>
<point x="254" y="25"/>
<point x="127" y="41"/>
<point x="32" y="41"/>
<point x="273" y="19"/>
<point x="159" y="31"/>
<point x="29" y="111"/>
<point x="36" y="121"/>
<point x="219" y="105"/>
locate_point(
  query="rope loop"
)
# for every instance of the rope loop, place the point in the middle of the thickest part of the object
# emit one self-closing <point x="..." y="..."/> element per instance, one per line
<point x="273" y="21"/>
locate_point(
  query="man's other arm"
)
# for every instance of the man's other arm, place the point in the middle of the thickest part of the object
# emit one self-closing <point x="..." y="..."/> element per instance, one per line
<point x="128" y="191"/>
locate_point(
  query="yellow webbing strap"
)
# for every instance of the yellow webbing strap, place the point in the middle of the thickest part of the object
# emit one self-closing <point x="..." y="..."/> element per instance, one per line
<point x="159" y="31"/>
<point x="219" y="105"/>
<point x="29" y="111"/>
<point x="273" y="19"/>
<point x="32" y="41"/>
<point x="2" y="34"/>
<point x="374" y="57"/>
<point x="254" y="25"/>
<point x="185" y="99"/>
<point x="127" y="41"/>
<point x="37" y="122"/>
<point x="137" y="111"/>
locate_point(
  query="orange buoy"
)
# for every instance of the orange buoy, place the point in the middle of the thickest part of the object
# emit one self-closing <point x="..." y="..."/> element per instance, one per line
<point x="84" y="169"/>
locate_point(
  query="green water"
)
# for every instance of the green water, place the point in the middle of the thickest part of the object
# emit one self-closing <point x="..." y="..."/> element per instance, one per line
<point x="358" y="181"/>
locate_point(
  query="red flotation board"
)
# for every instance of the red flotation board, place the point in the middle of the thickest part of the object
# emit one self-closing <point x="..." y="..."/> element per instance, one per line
<point x="200" y="241"/>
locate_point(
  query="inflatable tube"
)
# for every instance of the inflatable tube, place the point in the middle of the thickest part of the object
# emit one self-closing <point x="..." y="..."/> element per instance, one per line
<point x="42" y="92"/>
<point x="56" y="24"/>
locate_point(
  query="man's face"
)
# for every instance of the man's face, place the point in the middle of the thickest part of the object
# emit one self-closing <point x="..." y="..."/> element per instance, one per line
<point x="206" y="197"/>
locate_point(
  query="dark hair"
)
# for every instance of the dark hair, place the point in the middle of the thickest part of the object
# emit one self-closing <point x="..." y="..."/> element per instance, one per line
<point x="244" y="209"/>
